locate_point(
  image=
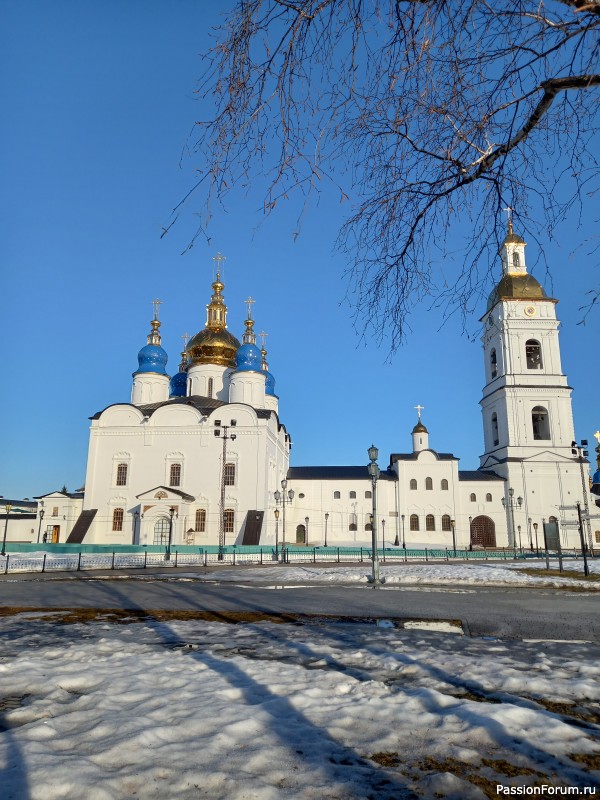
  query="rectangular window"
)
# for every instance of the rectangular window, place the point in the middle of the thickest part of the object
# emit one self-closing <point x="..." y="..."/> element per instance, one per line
<point x="228" y="519"/>
<point x="55" y="511"/>
<point x="122" y="475"/>
<point x="117" y="519"/>
<point x="175" y="475"/>
<point x="200" y="520"/>
<point x="229" y="475"/>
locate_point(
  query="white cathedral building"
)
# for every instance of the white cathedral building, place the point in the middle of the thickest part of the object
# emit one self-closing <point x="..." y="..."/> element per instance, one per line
<point x="205" y="457"/>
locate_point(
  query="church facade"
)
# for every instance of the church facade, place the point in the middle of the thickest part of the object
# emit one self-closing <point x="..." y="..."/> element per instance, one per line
<point x="203" y="457"/>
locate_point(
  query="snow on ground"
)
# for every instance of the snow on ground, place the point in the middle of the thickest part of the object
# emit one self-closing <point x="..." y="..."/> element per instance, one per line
<point x="490" y="573"/>
<point x="463" y="574"/>
<point x="193" y="709"/>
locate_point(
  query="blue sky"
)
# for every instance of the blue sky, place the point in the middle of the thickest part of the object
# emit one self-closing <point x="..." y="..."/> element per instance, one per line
<point x="98" y="101"/>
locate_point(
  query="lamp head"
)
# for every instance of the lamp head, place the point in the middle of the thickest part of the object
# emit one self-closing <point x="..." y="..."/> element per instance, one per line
<point x="284" y="483"/>
<point x="373" y="453"/>
<point x="276" y="513"/>
<point x="291" y="494"/>
<point x="511" y="491"/>
<point x="277" y="495"/>
<point x="327" y="515"/>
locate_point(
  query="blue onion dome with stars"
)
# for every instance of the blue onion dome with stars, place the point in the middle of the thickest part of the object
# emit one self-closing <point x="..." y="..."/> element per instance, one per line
<point x="152" y="357"/>
<point x="248" y="357"/>
<point x="178" y="384"/>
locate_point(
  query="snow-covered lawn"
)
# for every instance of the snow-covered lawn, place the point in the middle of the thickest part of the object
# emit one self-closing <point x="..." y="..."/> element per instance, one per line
<point x="191" y="709"/>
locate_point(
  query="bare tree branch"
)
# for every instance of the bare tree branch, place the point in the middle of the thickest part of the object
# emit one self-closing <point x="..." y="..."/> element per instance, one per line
<point x="426" y="114"/>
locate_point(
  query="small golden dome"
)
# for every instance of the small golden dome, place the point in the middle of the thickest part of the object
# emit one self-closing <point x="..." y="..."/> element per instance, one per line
<point x="521" y="286"/>
<point x="211" y="346"/>
<point x="420" y="428"/>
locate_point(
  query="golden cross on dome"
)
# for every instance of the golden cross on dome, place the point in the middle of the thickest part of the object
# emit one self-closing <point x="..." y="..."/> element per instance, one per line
<point x="218" y="258"/>
<point x="263" y="336"/>
<point x="156" y="303"/>
<point x="419" y="409"/>
<point x="186" y="337"/>
<point x="249" y="302"/>
<point x="509" y="211"/>
<point x="597" y="436"/>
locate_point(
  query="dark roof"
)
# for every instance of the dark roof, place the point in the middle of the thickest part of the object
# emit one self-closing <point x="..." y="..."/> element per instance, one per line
<point x="203" y="404"/>
<point x="477" y="475"/>
<point x="72" y="495"/>
<point x="20" y="503"/>
<point x="413" y="456"/>
<point x="335" y="473"/>
<point x="183" y="495"/>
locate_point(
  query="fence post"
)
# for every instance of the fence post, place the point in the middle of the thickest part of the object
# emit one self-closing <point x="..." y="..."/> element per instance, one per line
<point x="176" y="552"/>
<point x="205" y="558"/>
<point x="145" y="558"/>
<point x="44" y="563"/>
<point x="426" y="558"/>
<point x="405" y="556"/>
<point x="446" y="554"/>
<point x="79" y="562"/>
<point x="338" y="558"/>
<point x="261" y="557"/>
<point x="6" y="564"/>
<point x="314" y="555"/>
<point x="112" y="566"/>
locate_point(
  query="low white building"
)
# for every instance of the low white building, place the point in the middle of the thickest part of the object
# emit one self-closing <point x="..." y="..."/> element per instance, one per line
<point x="204" y="458"/>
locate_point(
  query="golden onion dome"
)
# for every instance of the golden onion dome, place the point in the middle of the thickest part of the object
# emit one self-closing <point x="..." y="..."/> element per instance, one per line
<point x="214" y="344"/>
<point x="516" y="286"/>
<point x="211" y="346"/>
<point x="420" y="428"/>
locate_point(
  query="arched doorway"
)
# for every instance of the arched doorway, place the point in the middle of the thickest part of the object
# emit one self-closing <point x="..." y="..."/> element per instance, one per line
<point x="161" y="531"/>
<point x="300" y="534"/>
<point x="483" y="532"/>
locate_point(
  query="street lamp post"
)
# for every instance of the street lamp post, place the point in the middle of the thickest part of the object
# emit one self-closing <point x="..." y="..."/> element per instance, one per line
<point x="383" y="535"/>
<point x="326" y="518"/>
<point x="276" y="512"/>
<point x="7" y="509"/>
<point x="403" y="539"/>
<point x="453" y="526"/>
<point x="284" y="497"/>
<point x="580" y="450"/>
<point x="222" y="433"/>
<point x="42" y="512"/>
<point x="306" y="530"/>
<point x="172" y="513"/>
<point x="374" y="472"/>
<point x="520" y="544"/>
<point x="529" y="530"/>
<point x="537" y="547"/>
<point x="509" y="504"/>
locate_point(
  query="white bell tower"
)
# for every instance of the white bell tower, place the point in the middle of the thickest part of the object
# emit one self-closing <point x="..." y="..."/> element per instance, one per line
<point x="526" y="403"/>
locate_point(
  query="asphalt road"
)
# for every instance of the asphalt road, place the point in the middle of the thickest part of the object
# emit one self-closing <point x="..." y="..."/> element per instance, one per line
<point x="506" y="612"/>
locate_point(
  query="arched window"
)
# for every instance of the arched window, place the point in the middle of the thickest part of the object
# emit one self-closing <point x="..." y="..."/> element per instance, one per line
<point x="368" y="495"/>
<point x="200" y="524"/>
<point x="516" y="260"/>
<point x="161" y="531"/>
<point x="495" y="435"/>
<point x="175" y="475"/>
<point x="353" y="522"/>
<point x="229" y="474"/>
<point x="229" y="519"/>
<point x="429" y="484"/>
<point x="429" y="522"/>
<point x="414" y="522"/>
<point x="444" y="485"/>
<point x="352" y="495"/>
<point x="118" y="519"/>
<point x="488" y="498"/>
<point x="493" y="363"/>
<point x="473" y="498"/>
<point x="210" y="387"/>
<point x="413" y="483"/>
<point x="122" y="475"/>
<point x="368" y="526"/>
<point x="446" y="523"/>
<point x="353" y="526"/>
<point x="533" y="354"/>
<point x="300" y="534"/>
<point x="540" y="423"/>
<point x="336" y="495"/>
<point x="552" y="519"/>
